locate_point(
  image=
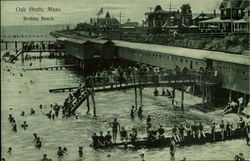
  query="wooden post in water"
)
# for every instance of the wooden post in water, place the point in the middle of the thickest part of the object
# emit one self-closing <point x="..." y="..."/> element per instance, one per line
<point x="140" y="97"/>
<point x="93" y="101"/>
<point x="182" y="98"/>
<point x="203" y="96"/>
<point x="88" y="107"/>
<point x="173" y="96"/>
<point x="6" y="45"/>
<point x="22" y="57"/>
<point x="92" y="96"/>
<point x="16" y="46"/>
<point x="135" y="98"/>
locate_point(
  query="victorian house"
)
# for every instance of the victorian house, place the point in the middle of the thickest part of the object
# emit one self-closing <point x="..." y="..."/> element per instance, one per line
<point x="232" y="13"/>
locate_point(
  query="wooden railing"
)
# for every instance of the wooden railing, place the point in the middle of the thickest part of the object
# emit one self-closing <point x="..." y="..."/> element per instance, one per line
<point x="146" y="79"/>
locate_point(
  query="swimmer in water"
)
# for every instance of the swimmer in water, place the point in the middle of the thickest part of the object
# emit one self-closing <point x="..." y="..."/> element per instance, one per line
<point x="38" y="143"/>
<point x="14" y="127"/>
<point x="24" y="125"/>
<point x="11" y="118"/>
<point x="142" y="156"/>
<point x="9" y="150"/>
<point x="35" y="136"/>
<point x="23" y="113"/>
<point x="44" y="158"/>
<point x="60" y="152"/>
<point x="80" y="151"/>
<point x="32" y="111"/>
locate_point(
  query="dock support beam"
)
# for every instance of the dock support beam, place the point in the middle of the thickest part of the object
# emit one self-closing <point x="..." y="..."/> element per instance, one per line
<point x="88" y="108"/>
<point x="203" y="96"/>
<point x="93" y="101"/>
<point x="16" y="46"/>
<point x="173" y="96"/>
<point x="182" y="99"/>
<point x="135" y="98"/>
<point x="140" y="97"/>
<point x="22" y="57"/>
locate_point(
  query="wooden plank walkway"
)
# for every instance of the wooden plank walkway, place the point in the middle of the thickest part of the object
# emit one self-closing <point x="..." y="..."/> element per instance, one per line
<point x="52" y="67"/>
<point x="45" y="50"/>
<point x="14" y="57"/>
<point x="187" y="141"/>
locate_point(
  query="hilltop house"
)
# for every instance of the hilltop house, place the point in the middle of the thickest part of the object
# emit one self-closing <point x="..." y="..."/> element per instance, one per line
<point x="232" y="14"/>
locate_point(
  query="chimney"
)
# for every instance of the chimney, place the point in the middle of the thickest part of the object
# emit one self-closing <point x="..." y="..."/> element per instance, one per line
<point x="214" y="12"/>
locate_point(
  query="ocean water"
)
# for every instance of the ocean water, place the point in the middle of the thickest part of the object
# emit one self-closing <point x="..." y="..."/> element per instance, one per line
<point x="73" y="133"/>
<point x="27" y="33"/>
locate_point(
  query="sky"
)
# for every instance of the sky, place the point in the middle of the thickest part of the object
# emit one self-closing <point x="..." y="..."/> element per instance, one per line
<point x="77" y="11"/>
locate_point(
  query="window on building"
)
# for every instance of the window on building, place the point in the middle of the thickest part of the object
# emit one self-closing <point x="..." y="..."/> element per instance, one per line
<point x="181" y="60"/>
<point x="186" y="61"/>
<point x="243" y="72"/>
<point x="196" y="63"/>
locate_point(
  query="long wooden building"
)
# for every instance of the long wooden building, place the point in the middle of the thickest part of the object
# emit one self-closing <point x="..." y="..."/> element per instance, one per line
<point x="232" y="70"/>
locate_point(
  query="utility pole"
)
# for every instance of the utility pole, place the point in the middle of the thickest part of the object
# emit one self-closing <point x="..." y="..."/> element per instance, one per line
<point x="231" y="9"/>
<point x="120" y="25"/>
<point x="168" y="18"/>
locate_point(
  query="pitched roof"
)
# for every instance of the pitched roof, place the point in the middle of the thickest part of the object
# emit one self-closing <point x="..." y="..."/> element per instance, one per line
<point x="217" y="19"/>
<point x="108" y="21"/>
<point x="245" y="4"/>
<point x="204" y="15"/>
<point x="186" y="52"/>
<point x="223" y="4"/>
<point x="227" y="4"/>
<point x="77" y="41"/>
<point x="83" y="40"/>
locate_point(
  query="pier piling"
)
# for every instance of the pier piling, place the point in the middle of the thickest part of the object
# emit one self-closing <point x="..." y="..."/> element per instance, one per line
<point x="173" y="96"/>
<point x="135" y="98"/>
<point x="182" y="98"/>
<point x="88" y="107"/>
<point x="141" y="96"/>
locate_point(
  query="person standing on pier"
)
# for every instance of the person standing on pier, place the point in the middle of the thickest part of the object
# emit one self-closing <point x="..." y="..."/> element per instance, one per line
<point x="172" y="149"/>
<point x="108" y="141"/>
<point x="115" y="128"/>
<point x="213" y="131"/>
<point x="201" y="133"/>
<point x="163" y="93"/>
<point x="101" y="139"/>
<point x="222" y="127"/>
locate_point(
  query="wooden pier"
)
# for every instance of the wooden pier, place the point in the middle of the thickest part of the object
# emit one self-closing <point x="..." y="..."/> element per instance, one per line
<point x="102" y="84"/>
<point x="52" y="67"/>
<point x="50" y="47"/>
<point x="187" y="141"/>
